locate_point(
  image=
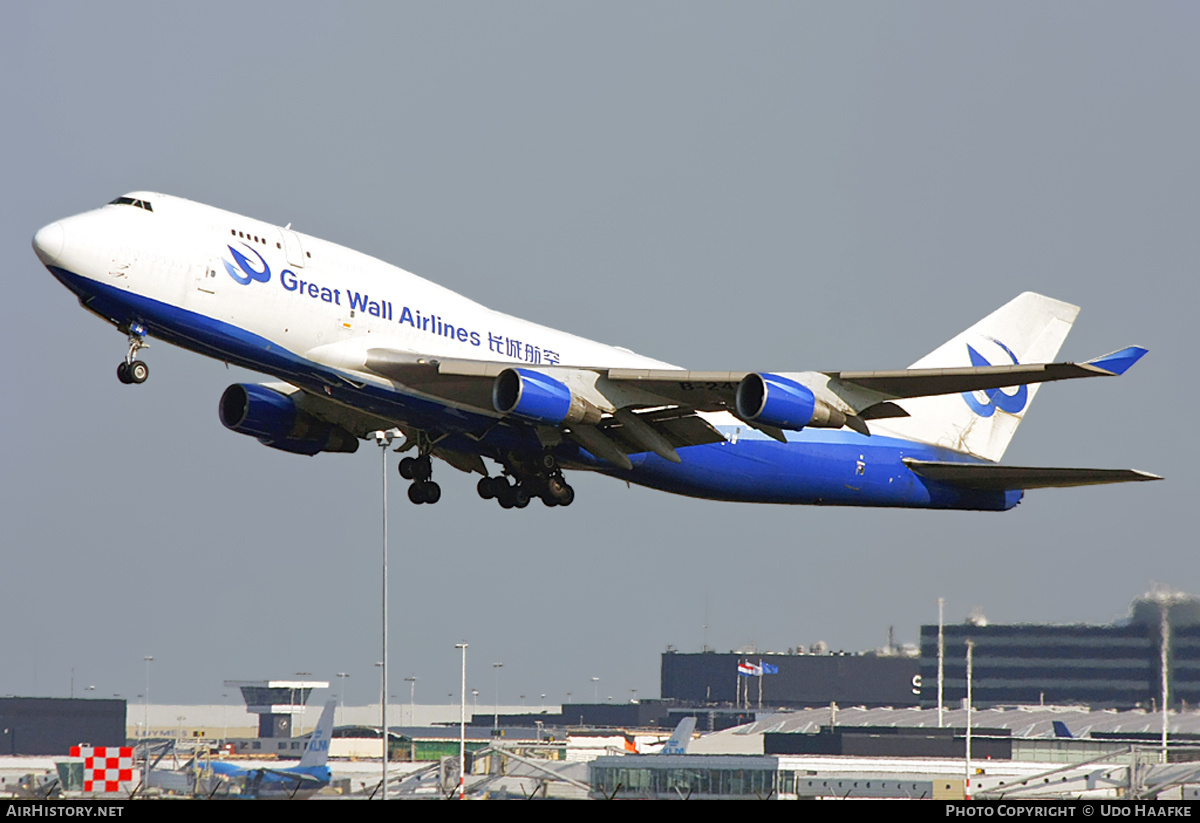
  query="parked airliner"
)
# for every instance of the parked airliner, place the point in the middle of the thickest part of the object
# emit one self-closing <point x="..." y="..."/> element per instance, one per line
<point x="360" y="346"/>
<point x="304" y="779"/>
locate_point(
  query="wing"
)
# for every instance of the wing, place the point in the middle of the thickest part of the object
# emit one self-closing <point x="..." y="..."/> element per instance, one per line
<point x="860" y="392"/>
<point x="657" y="409"/>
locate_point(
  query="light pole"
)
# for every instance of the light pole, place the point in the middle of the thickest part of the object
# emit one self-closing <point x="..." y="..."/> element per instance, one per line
<point x="412" y="699"/>
<point x="297" y="732"/>
<point x="462" y="721"/>
<point x="496" y="667"/>
<point x="941" y="656"/>
<point x="595" y="689"/>
<point x="342" y="693"/>
<point x="1164" y="597"/>
<point x="146" y="700"/>
<point x="970" y="677"/>
<point x="384" y="438"/>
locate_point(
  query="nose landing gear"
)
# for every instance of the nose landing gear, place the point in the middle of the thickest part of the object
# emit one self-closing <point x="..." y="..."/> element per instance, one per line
<point x="132" y="370"/>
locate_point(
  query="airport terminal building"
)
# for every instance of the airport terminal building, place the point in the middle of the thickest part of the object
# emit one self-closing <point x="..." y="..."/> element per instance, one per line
<point x="1102" y="666"/>
<point x="793" y="681"/>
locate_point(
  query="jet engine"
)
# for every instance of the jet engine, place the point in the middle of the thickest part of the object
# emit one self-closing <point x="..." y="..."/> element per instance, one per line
<point x="542" y="399"/>
<point x="274" y="418"/>
<point x="785" y="404"/>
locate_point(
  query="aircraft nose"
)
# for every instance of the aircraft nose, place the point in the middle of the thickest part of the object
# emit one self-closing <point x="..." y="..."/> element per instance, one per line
<point x="48" y="242"/>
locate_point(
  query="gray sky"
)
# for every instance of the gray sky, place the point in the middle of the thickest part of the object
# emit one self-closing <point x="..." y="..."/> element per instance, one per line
<point x="723" y="186"/>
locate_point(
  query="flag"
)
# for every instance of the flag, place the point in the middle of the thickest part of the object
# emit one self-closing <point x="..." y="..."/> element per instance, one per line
<point x="767" y="668"/>
<point x="745" y="669"/>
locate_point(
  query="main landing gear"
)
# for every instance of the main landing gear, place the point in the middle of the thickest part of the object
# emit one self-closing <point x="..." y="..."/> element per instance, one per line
<point x="523" y="480"/>
<point x="419" y="470"/>
<point x="545" y="481"/>
<point x="132" y="370"/>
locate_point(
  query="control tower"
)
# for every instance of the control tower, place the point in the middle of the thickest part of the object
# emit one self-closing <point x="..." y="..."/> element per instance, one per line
<point x="276" y="702"/>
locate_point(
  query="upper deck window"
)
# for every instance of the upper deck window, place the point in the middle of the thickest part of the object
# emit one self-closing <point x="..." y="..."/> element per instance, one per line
<point x="129" y="201"/>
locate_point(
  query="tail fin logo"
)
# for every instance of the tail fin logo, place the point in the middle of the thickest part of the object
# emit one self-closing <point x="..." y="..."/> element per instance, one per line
<point x="996" y="398"/>
<point x="248" y="271"/>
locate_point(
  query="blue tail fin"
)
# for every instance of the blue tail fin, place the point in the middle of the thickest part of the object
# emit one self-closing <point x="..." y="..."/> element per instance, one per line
<point x="681" y="737"/>
<point x="316" y="753"/>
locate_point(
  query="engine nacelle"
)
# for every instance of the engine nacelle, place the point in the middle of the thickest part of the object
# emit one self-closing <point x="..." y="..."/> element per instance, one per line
<point x="537" y="397"/>
<point x="248" y="408"/>
<point x="785" y="404"/>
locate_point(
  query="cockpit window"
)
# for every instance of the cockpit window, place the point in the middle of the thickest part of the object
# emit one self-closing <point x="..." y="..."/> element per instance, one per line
<point x="129" y="201"/>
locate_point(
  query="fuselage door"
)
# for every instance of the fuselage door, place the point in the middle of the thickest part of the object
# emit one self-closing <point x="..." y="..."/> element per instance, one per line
<point x="292" y="248"/>
<point x="203" y="285"/>
<point x="204" y="277"/>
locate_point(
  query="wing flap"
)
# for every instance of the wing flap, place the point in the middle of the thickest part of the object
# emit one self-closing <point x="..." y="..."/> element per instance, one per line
<point x="699" y="390"/>
<point x="989" y="477"/>
<point x="468" y="382"/>
<point x="679" y="427"/>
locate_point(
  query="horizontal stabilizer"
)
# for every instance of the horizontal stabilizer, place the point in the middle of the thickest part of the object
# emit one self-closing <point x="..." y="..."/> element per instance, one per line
<point x="987" y="477"/>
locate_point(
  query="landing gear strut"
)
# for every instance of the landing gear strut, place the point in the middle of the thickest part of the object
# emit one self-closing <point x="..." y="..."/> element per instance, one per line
<point x="419" y="470"/>
<point x="132" y="370"/>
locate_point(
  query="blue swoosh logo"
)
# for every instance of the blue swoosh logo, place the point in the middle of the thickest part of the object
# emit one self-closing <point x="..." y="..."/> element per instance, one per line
<point x="996" y="399"/>
<point x="248" y="271"/>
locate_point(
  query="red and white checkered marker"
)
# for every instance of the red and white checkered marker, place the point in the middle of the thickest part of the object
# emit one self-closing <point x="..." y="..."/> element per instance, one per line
<point x="106" y="768"/>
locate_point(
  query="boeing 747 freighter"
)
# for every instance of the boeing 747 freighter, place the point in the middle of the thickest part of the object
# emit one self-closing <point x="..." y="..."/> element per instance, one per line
<point x="358" y="346"/>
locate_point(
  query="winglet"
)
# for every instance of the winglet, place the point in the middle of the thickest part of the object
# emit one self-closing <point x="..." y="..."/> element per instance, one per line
<point x="1119" y="362"/>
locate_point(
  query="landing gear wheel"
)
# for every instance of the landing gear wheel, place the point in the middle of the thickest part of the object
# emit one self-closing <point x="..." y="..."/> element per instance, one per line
<point x="559" y="491"/>
<point x="123" y="373"/>
<point x="486" y="488"/>
<point x="419" y="469"/>
<point x="137" y="371"/>
<point x="433" y="492"/>
<point x="548" y="461"/>
<point x="510" y="496"/>
<point x="424" y="491"/>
